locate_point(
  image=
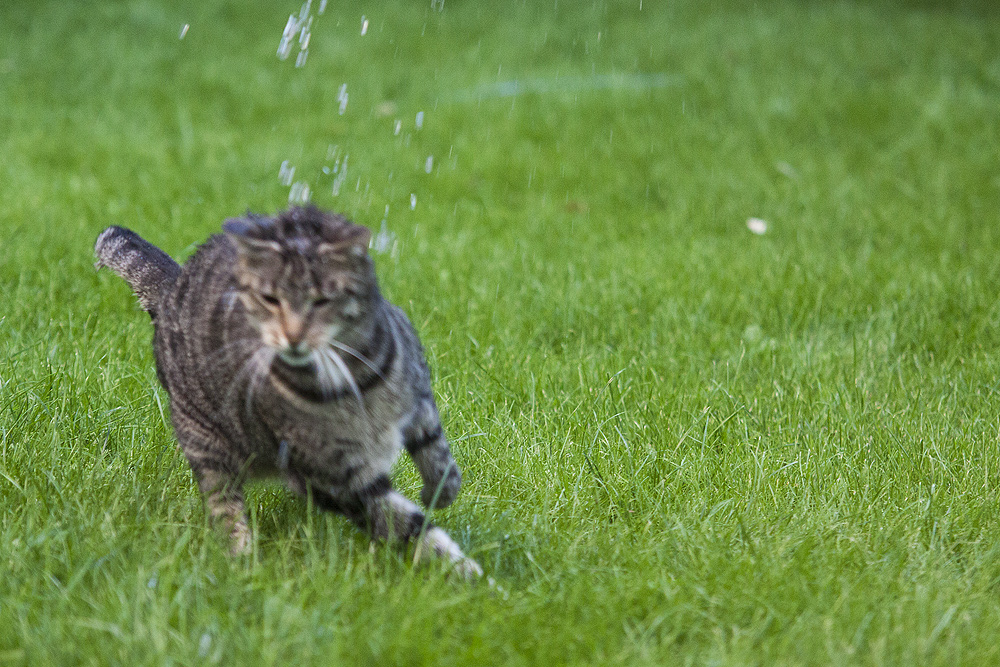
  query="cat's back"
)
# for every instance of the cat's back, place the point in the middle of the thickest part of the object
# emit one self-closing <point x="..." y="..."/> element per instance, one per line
<point x="207" y="270"/>
<point x="196" y="315"/>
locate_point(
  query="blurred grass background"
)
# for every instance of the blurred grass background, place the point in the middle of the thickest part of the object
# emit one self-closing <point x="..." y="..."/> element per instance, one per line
<point x="683" y="442"/>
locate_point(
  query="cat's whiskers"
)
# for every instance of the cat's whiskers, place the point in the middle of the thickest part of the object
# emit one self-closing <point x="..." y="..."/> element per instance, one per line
<point x="261" y="369"/>
<point x="327" y="384"/>
<point x="357" y="355"/>
<point x="345" y="372"/>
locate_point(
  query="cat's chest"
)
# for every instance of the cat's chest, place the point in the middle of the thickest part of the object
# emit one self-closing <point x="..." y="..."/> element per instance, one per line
<point x="332" y="427"/>
<point x="318" y="446"/>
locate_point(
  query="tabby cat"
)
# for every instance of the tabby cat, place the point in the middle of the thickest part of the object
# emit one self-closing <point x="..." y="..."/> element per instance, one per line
<point x="282" y="358"/>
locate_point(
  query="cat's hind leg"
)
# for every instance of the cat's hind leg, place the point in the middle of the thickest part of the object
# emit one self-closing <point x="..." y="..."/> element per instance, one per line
<point x="220" y="480"/>
<point x="224" y="501"/>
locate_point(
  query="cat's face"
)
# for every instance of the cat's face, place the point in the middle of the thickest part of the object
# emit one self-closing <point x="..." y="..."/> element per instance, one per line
<point x="302" y="293"/>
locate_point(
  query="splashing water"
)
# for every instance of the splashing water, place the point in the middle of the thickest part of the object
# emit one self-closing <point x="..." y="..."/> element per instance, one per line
<point x="300" y="25"/>
<point x="340" y="175"/>
<point x="295" y="41"/>
<point x="285" y="45"/>
<point x="299" y="194"/>
<point x="342" y="98"/>
<point x="385" y="240"/>
<point x="286" y="173"/>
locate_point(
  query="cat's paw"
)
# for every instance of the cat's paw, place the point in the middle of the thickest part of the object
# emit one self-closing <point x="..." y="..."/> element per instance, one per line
<point x="467" y="568"/>
<point x="239" y="540"/>
<point x="442" y="494"/>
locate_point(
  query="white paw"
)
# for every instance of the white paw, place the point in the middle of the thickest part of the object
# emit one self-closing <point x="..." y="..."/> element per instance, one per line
<point x="239" y="540"/>
<point x="467" y="568"/>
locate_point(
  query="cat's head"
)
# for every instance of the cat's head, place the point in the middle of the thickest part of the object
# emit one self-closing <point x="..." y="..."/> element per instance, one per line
<point x="305" y="278"/>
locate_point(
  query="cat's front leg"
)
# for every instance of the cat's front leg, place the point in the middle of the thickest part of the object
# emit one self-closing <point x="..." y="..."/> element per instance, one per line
<point x="425" y="442"/>
<point x="387" y="514"/>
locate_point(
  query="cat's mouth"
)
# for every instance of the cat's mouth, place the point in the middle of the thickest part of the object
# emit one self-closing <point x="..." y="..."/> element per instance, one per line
<point x="296" y="358"/>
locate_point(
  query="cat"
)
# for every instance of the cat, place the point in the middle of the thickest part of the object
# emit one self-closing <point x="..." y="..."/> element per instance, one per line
<point x="281" y="358"/>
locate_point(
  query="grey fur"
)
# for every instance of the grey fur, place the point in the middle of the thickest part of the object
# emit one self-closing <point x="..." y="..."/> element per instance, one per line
<point x="282" y="358"/>
<point x="143" y="266"/>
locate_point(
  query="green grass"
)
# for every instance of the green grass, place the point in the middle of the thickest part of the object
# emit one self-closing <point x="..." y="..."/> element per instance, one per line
<point x="683" y="443"/>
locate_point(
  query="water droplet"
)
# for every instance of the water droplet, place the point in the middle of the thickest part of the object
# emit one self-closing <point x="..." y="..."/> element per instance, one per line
<point x="364" y="25"/>
<point x="301" y="59"/>
<point x="322" y="6"/>
<point x="420" y="119"/>
<point x="413" y="201"/>
<point x="399" y="126"/>
<point x="429" y="164"/>
<point x="342" y="98"/>
<point x="305" y="32"/>
<point x="184" y="31"/>
<point x="285" y="45"/>
<point x="304" y="11"/>
<point x="340" y="168"/>
<point x="385" y="240"/>
<point x="286" y="173"/>
<point x="299" y="194"/>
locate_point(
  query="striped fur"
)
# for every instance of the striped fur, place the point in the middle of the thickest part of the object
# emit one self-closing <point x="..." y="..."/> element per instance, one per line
<point x="282" y="358"/>
<point x="146" y="268"/>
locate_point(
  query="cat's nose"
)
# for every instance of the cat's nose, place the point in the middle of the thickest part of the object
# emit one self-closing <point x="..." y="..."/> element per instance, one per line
<point x="295" y="331"/>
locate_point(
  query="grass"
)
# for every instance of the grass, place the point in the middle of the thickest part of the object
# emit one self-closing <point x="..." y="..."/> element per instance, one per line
<point x="683" y="443"/>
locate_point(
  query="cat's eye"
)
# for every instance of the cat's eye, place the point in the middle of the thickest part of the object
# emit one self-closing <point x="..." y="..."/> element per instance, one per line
<point x="270" y="299"/>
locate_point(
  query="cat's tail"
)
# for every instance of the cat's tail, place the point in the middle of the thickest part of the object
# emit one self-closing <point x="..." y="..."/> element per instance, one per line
<point x="146" y="268"/>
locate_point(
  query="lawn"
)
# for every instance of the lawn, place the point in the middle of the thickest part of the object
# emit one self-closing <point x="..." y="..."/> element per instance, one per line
<point x="684" y="442"/>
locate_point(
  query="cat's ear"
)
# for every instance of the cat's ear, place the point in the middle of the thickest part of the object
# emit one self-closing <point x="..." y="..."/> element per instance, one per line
<point x="246" y="235"/>
<point x="238" y="226"/>
<point x="353" y="241"/>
